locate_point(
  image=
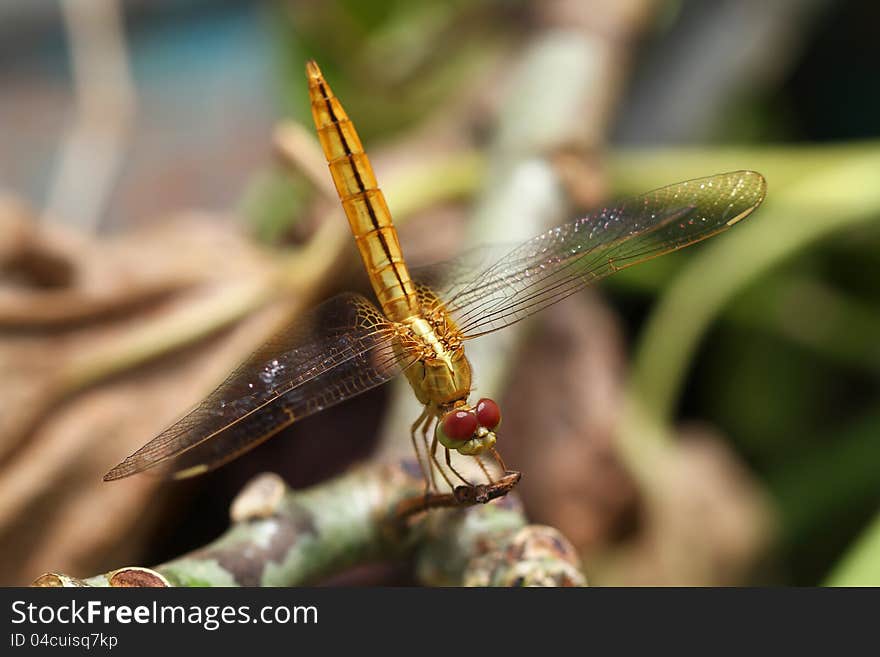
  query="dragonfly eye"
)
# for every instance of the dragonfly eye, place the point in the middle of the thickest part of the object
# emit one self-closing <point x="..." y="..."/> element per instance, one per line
<point x="459" y="425"/>
<point x="488" y="413"/>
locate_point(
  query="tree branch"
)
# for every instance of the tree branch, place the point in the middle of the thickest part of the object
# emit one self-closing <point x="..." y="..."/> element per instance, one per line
<point x="281" y="537"/>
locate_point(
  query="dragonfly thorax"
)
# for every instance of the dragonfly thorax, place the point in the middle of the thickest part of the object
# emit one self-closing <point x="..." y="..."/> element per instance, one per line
<point x="442" y="374"/>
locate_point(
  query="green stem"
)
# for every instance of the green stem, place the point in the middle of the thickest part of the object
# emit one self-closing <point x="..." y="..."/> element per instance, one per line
<point x="796" y="306"/>
<point x="861" y="565"/>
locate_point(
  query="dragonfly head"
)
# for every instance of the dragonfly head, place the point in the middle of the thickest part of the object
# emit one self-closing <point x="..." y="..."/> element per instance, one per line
<point x="469" y="430"/>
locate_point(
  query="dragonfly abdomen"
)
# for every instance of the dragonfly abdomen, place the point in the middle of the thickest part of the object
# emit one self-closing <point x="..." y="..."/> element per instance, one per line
<point x="362" y="200"/>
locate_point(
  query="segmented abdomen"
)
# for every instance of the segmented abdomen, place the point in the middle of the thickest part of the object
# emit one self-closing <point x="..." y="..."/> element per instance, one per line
<point x="362" y="200"/>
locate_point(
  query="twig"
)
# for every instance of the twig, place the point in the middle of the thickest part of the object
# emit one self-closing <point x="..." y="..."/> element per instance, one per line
<point x="462" y="495"/>
<point x="105" y="94"/>
<point x="298" y="149"/>
<point x="281" y="537"/>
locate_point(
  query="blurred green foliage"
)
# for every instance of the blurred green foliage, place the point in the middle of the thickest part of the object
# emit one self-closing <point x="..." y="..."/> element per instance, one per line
<point x="790" y="373"/>
<point x="359" y="46"/>
<point x="272" y="203"/>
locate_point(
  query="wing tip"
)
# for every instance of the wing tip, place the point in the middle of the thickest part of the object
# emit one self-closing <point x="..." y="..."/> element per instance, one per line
<point x="124" y="470"/>
<point x="758" y="180"/>
<point x="758" y="186"/>
<point x="128" y="467"/>
<point x="115" y="473"/>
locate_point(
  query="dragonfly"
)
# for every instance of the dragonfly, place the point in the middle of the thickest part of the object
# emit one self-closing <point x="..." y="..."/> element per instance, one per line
<point x="420" y="328"/>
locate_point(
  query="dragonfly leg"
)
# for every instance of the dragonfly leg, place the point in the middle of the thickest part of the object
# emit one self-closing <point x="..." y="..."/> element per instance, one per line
<point x="499" y="459"/>
<point x="425" y="427"/>
<point x="483" y="468"/>
<point x="432" y="456"/>
<point x="452" y="467"/>
<point x="412" y="434"/>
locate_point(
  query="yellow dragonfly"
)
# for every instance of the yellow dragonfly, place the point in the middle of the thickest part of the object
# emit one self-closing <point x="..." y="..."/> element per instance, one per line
<point x="347" y="345"/>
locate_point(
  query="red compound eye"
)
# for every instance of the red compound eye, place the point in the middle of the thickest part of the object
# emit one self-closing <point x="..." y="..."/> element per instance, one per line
<point x="488" y="413"/>
<point x="459" y="425"/>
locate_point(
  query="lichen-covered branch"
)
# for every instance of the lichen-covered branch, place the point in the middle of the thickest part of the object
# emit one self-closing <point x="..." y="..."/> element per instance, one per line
<point x="493" y="546"/>
<point x="281" y="537"/>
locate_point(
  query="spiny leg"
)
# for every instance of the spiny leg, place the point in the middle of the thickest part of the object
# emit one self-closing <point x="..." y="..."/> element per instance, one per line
<point x="499" y="459"/>
<point x="432" y="458"/>
<point x="449" y="463"/>
<point x="483" y="468"/>
<point x="412" y="434"/>
<point x="426" y="427"/>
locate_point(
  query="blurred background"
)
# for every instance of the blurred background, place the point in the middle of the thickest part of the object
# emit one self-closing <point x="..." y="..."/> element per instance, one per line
<point x="711" y="417"/>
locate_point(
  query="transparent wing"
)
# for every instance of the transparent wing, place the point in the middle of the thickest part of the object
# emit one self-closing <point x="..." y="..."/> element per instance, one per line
<point x="563" y="260"/>
<point x="450" y="277"/>
<point x="338" y="350"/>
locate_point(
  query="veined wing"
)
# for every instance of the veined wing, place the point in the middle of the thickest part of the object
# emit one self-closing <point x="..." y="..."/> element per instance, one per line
<point x="448" y="278"/>
<point x="338" y="350"/>
<point x="565" y="259"/>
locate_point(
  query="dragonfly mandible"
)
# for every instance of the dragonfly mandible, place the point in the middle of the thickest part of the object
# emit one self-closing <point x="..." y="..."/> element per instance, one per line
<point x="348" y="345"/>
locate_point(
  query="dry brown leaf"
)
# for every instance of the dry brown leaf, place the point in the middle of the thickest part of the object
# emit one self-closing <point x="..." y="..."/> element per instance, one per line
<point x="708" y="523"/>
<point x="60" y="433"/>
<point x="559" y="414"/>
